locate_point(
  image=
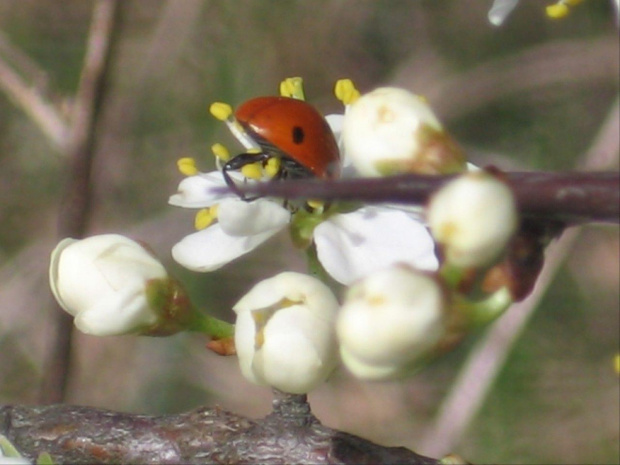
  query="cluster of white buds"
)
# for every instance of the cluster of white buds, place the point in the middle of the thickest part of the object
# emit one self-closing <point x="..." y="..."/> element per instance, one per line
<point x="290" y="330"/>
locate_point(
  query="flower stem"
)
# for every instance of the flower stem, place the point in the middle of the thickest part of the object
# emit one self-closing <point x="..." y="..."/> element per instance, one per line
<point x="214" y="327"/>
<point x="314" y="265"/>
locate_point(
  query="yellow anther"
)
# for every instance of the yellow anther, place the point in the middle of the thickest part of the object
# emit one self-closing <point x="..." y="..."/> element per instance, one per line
<point x="187" y="166"/>
<point x="221" y="111"/>
<point x="292" y="87"/>
<point x="617" y="364"/>
<point x="220" y="152"/>
<point x="316" y="204"/>
<point x="346" y="92"/>
<point x="272" y="168"/>
<point x="423" y="99"/>
<point x="204" y="218"/>
<point x="557" y="11"/>
<point x="252" y="171"/>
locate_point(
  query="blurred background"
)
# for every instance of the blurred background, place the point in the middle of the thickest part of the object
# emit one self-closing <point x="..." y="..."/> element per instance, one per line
<point x="534" y="94"/>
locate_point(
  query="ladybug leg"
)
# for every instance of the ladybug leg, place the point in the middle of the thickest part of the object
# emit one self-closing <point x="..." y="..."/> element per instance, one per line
<point x="235" y="164"/>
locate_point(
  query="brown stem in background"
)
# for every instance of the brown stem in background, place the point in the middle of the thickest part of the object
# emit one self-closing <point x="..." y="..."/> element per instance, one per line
<point x="24" y="83"/>
<point x="75" y="208"/>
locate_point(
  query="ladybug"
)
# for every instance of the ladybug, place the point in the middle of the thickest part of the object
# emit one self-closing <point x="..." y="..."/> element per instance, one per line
<point x="291" y="130"/>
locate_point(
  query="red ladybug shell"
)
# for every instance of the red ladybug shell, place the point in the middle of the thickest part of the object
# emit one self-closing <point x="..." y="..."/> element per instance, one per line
<point x="294" y="128"/>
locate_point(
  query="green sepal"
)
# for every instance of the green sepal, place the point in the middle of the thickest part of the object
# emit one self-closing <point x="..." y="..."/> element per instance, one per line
<point x="176" y="313"/>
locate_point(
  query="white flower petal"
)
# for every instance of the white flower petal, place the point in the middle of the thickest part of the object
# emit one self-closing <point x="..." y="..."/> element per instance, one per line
<point x="299" y="351"/>
<point x="132" y="314"/>
<point x="336" y="123"/>
<point x="285" y="332"/>
<point x="240" y="218"/>
<point x="353" y="245"/>
<point x="200" y="191"/>
<point x="245" y="344"/>
<point x="194" y="191"/>
<point x="212" y="248"/>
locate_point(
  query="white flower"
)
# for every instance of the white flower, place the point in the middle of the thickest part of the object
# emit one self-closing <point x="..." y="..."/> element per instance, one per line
<point x="349" y="245"/>
<point x="390" y="130"/>
<point x="473" y="217"/>
<point x="500" y="10"/>
<point x="102" y="281"/>
<point x="241" y="227"/>
<point x="390" y="322"/>
<point x="284" y="333"/>
<point x="353" y="245"/>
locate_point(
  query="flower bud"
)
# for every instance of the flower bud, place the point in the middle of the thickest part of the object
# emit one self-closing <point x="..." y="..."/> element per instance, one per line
<point x="473" y="217"/>
<point x="392" y="131"/>
<point x="284" y="334"/>
<point x="391" y="322"/>
<point x="112" y="285"/>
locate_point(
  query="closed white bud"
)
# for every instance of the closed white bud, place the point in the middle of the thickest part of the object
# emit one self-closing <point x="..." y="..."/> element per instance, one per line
<point x="284" y="333"/>
<point x="111" y="285"/>
<point x="391" y="322"/>
<point x="390" y="131"/>
<point x="473" y="217"/>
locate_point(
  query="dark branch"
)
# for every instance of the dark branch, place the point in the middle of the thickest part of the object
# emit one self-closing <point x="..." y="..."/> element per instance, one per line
<point x="77" y="435"/>
<point x="572" y="197"/>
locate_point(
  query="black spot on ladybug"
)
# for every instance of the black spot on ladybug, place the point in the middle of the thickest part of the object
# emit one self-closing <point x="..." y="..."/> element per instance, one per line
<point x="298" y="134"/>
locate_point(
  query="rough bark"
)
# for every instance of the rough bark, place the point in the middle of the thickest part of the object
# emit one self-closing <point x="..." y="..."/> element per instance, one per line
<point x="290" y="434"/>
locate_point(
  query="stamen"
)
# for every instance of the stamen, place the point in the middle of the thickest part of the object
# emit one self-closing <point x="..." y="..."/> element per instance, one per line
<point x="292" y="87"/>
<point x="272" y="168"/>
<point x="346" y="92"/>
<point x="205" y="217"/>
<point x="187" y="166"/>
<point x="316" y="204"/>
<point x="557" y="11"/>
<point x="252" y="170"/>
<point x="221" y="111"/>
<point x="221" y="152"/>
